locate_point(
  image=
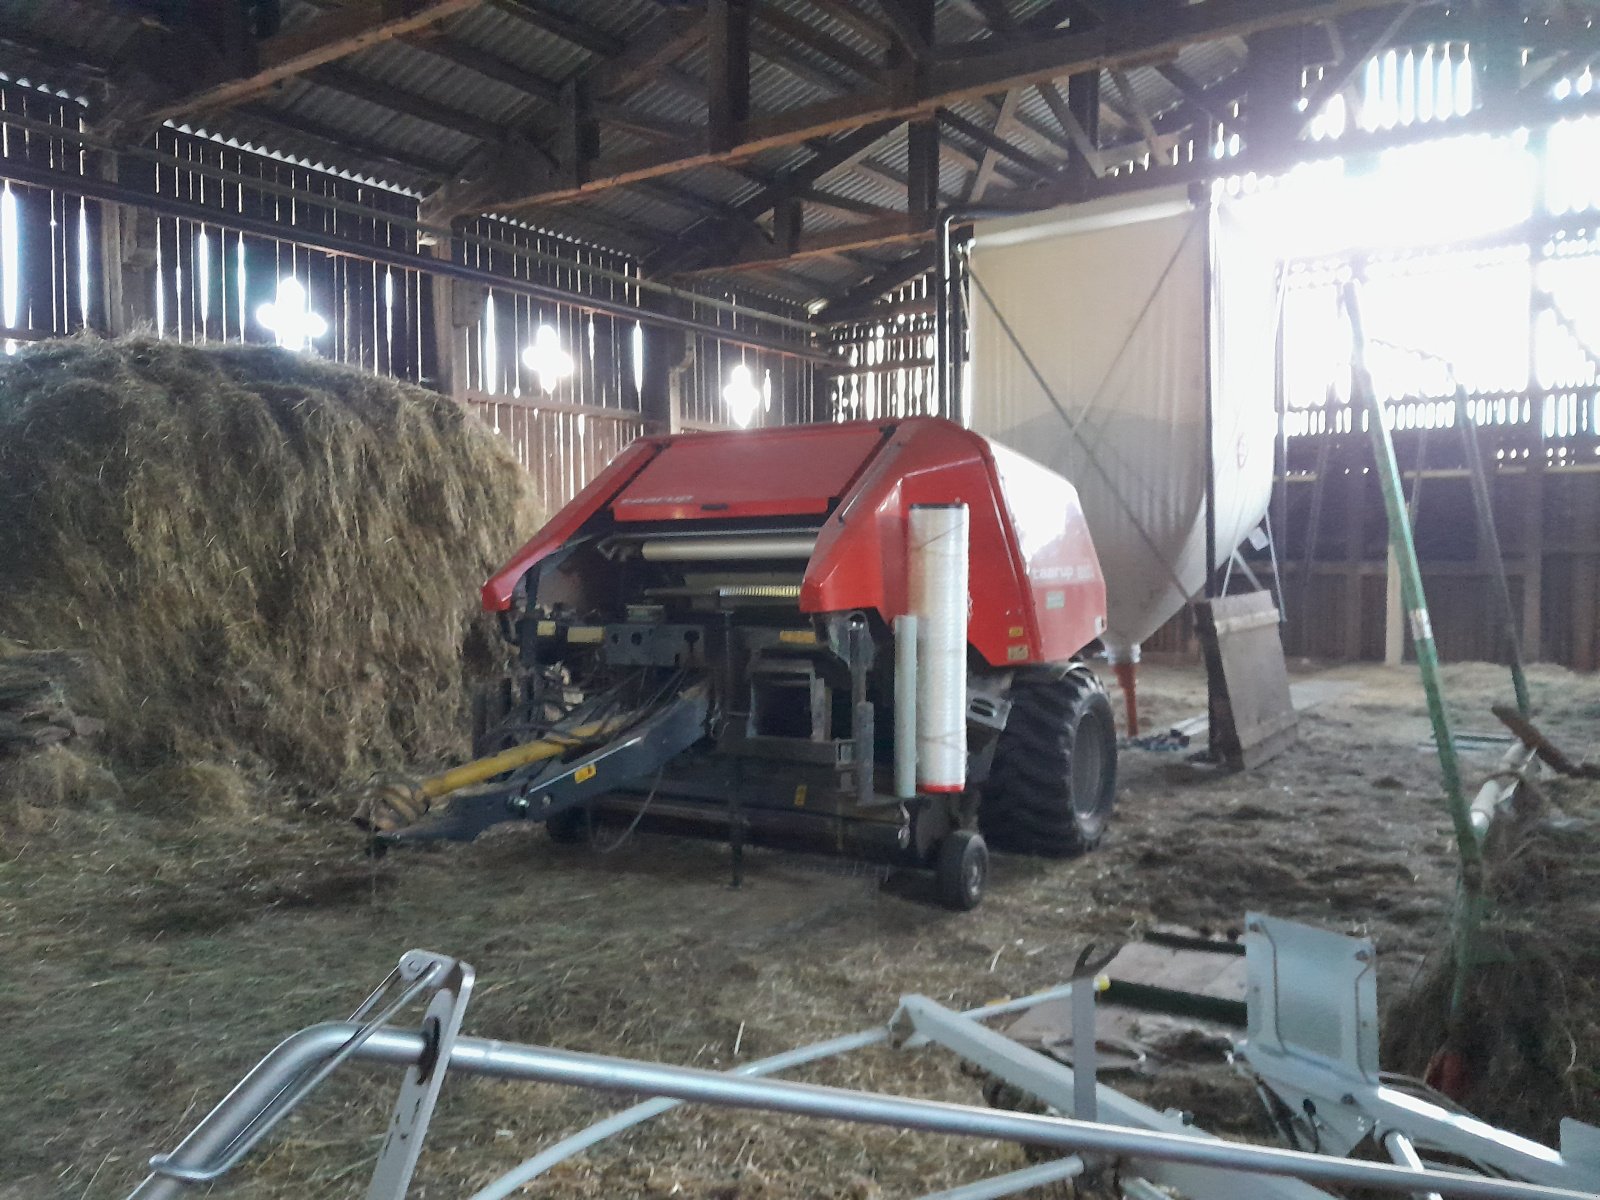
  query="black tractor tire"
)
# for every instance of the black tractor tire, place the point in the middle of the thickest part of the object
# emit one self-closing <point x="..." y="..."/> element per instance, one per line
<point x="1054" y="780"/>
<point x="961" y="870"/>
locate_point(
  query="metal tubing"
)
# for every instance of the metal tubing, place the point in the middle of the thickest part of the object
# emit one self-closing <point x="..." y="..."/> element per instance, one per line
<point x="1416" y="603"/>
<point x="1208" y="443"/>
<point x="801" y="1056"/>
<point x="1403" y="1152"/>
<point x="905" y="706"/>
<point x="726" y="549"/>
<point x="1013" y="1182"/>
<point x="291" y="1060"/>
<point x="479" y="1056"/>
<point x="500" y="1060"/>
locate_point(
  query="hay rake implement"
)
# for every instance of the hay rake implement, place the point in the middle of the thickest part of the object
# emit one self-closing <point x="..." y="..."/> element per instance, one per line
<point x="1310" y="1048"/>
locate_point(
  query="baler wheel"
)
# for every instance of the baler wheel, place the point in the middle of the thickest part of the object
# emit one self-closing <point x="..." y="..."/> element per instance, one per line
<point x="961" y="870"/>
<point x="1054" y="779"/>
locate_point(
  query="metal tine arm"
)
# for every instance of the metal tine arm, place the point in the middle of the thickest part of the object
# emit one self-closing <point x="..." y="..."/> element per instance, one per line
<point x="423" y="969"/>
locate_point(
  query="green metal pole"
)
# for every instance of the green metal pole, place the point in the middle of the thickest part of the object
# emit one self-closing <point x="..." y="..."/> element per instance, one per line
<point x="1470" y="909"/>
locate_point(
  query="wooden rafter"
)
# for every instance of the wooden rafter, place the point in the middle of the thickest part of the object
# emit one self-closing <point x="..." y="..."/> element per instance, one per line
<point x="883" y="231"/>
<point x="826" y="158"/>
<point x="1004" y="120"/>
<point x="995" y="144"/>
<point x="858" y="300"/>
<point x="1137" y="35"/>
<point x="326" y="39"/>
<point x="579" y="33"/>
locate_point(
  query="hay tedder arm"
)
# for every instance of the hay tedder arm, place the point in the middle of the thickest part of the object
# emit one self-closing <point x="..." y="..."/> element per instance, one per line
<point x="538" y="786"/>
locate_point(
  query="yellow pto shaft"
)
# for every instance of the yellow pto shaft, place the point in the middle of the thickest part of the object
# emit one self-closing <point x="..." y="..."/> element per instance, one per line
<point x="390" y="803"/>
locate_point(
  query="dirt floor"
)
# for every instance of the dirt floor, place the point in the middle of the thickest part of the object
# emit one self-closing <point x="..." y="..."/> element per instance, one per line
<point x="146" y="963"/>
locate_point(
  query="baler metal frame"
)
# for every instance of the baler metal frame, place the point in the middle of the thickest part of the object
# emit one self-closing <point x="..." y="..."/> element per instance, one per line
<point x="1108" y="1130"/>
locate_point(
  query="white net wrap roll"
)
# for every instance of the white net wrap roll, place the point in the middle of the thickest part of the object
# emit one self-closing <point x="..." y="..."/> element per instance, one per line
<point x="939" y="601"/>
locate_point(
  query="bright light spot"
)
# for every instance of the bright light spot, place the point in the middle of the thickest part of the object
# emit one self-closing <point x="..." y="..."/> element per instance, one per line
<point x="489" y="374"/>
<point x="1464" y="85"/>
<point x="239" y="276"/>
<point x="546" y="359"/>
<point x="10" y="262"/>
<point x="741" y="395"/>
<point x="766" y="391"/>
<point x="638" y="357"/>
<point x="290" y="318"/>
<point x="1563" y="88"/>
<point x="1585" y="82"/>
<point x="203" y="253"/>
<point x="83" y="262"/>
<point x="1335" y="116"/>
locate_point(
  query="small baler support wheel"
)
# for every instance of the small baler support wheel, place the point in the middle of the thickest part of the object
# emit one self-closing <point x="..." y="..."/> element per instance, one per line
<point x="1054" y="779"/>
<point x="961" y="870"/>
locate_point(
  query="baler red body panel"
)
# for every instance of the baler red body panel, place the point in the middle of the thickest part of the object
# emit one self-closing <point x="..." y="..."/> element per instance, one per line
<point x="1036" y="590"/>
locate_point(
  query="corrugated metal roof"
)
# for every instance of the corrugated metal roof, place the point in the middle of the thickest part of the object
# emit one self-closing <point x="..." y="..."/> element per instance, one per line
<point x="454" y="89"/>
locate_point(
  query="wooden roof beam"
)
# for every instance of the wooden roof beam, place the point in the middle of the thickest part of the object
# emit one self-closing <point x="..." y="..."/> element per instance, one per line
<point x="568" y="29"/>
<point x="857" y="302"/>
<point x="1138" y="34"/>
<point x="884" y="231"/>
<point x="336" y="34"/>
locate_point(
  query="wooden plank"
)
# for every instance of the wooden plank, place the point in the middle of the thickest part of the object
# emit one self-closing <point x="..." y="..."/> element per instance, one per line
<point x="1253" y="715"/>
<point x="355" y="26"/>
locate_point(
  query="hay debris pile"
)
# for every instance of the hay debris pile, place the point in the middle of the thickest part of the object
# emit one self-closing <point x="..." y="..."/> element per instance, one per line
<point x="236" y="559"/>
<point x="1531" y="1033"/>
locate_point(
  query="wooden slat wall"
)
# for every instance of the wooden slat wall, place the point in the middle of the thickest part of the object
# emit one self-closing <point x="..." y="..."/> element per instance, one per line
<point x="211" y="282"/>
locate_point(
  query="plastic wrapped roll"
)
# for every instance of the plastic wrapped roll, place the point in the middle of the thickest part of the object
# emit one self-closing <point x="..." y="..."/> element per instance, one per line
<point x="938" y="578"/>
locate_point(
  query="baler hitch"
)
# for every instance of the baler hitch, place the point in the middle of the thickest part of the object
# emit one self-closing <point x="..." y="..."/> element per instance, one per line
<point x="537" y="780"/>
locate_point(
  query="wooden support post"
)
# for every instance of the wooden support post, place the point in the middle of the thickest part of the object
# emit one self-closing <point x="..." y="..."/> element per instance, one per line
<point x="111" y="280"/>
<point x="666" y="352"/>
<point x="922" y="168"/>
<point x="1354" y="543"/>
<point x="457" y="309"/>
<point x="128" y="237"/>
<point x="1586" y="584"/>
<point x="578" y="136"/>
<point x="1275" y="70"/>
<point x="1394" y="614"/>
<point x="1533" y="554"/>
<point x="1083" y="103"/>
<point x="728" y="84"/>
<point x="788" y="220"/>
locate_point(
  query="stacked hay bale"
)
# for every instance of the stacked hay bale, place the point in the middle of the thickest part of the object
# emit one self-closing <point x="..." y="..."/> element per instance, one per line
<point x="243" y="561"/>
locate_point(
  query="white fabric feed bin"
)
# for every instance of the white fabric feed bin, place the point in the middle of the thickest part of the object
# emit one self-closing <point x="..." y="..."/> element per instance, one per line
<point x="1104" y="303"/>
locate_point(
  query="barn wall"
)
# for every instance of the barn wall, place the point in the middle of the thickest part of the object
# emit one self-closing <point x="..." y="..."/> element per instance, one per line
<point x="81" y="263"/>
